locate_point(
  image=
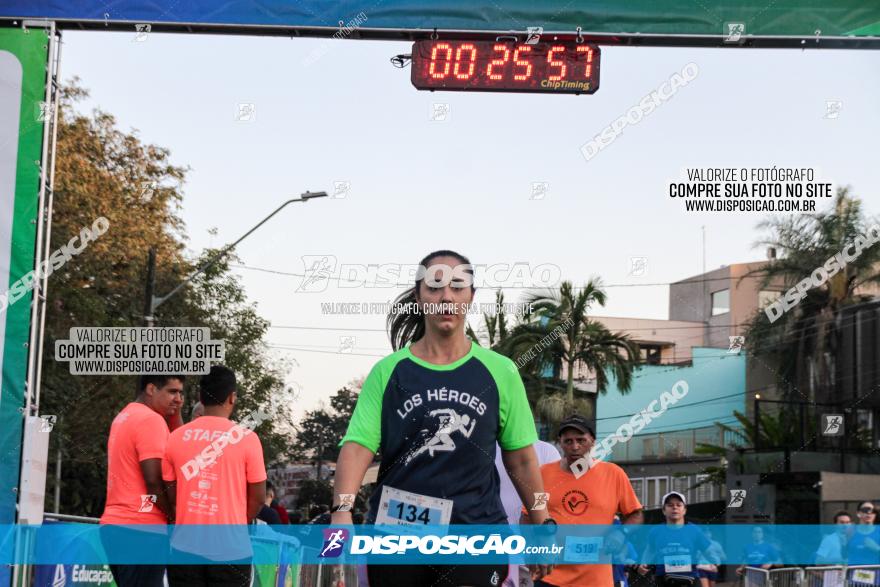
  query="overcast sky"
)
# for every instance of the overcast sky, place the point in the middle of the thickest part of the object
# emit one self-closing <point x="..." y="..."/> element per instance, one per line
<point x="327" y="112"/>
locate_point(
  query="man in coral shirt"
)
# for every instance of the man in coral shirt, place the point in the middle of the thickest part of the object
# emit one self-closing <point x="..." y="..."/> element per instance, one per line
<point x="585" y="492"/>
<point x="215" y="471"/>
<point x="135" y="493"/>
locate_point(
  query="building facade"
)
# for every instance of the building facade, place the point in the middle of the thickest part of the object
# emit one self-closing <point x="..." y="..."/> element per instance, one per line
<point x="699" y="344"/>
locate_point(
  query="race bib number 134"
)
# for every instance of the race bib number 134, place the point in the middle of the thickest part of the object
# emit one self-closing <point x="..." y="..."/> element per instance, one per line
<point x="398" y="507"/>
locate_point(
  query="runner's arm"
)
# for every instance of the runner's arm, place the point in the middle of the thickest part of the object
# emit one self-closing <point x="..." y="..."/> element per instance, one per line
<point x="256" y="496"/>
<point x="522" y="467"/>
<point x="354" y="460"/>
<point x="634" y="517"/>
<point x="151" y="469"/>
<point x="647" y="560"/>
<point x="171" y="493"/>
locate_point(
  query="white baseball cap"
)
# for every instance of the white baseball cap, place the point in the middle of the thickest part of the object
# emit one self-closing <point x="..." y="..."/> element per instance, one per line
<point x="676" y="494"/>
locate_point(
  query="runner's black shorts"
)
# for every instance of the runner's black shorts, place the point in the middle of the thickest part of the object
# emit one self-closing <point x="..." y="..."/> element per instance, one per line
<point x="436" y="575"/>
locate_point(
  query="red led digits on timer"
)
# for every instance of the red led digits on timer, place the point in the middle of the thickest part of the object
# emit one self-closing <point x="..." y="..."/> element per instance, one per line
<point x="471" y="66"/>
<point x="555" y="66"/>
<point x="589" y="51"/>
<point x="522" y="63"/>
<point x="557" y="62"/>
<point x="498" y="47"/>
<point x="433" y="69"/>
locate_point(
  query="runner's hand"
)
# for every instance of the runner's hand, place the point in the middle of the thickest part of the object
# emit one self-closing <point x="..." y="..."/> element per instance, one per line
<point x="174" y="421"/>
<point x="643" y="569"/>
<point x="539" y="571"/>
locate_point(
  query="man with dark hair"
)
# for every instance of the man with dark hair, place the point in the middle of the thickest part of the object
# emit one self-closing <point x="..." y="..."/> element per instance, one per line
<point x="832" y="550"/>
<point x="581" y="491"/>
<point x="216" y="476"/>
<point x="174" y="420"/>
<point x="135" y="447"/>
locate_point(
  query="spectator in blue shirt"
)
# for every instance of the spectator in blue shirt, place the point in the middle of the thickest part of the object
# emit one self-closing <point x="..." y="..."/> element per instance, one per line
<point x="832" y="549"/>
<point x="759" y="554"/>
<point x="864" y="546"/>
<point x="714" y="556"/>
<point x="622" y="552"/>
<point x="675" y="548"/>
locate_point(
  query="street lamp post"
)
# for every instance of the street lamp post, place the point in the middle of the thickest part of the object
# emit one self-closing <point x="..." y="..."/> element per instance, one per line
<point x="152" y="302"/>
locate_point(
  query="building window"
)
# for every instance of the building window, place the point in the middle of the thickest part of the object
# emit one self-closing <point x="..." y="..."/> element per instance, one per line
<point x="638" y="486"/>
<point x="650" y="354"/>
<point x="650" y="447"/>
<point x="656" y="489"/>
<point x="705" y="491"/>
<point x="765" y="298"/>
<point x="681" y="484"/>
<point x="721" y="302"/>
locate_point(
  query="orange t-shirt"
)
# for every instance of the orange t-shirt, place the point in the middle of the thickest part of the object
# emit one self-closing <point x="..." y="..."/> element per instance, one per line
<point x="594" y="498"/>
<point x="137" y="434"/>
<point x="213" y="460"/>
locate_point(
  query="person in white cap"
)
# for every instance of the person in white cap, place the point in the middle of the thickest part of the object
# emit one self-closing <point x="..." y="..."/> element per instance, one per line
<point x="676" y="547"/>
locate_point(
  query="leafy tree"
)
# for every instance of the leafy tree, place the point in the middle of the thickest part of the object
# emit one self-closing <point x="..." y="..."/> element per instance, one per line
<point x="102" y="171"/>
<point x="314" y="492"/>
<point x="802" y="340"/>
<point x="320" y="431"/>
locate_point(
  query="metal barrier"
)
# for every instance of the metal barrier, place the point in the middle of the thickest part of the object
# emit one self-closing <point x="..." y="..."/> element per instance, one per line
<point x="862" y="576"/>
<point x="755" y="577"/>
<point x="826" y="576"/>
<point x="327" y="575"/>
<point x="69" y="518"/>
<point x="786" y="577"/>
<point x="329" y="580"/>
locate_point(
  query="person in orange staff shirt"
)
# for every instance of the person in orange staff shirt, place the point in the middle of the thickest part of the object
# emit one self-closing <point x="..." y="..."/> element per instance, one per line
<point x="135" y="493"/>
<point x="582" y="491"/>
<point x="216" y="476"/>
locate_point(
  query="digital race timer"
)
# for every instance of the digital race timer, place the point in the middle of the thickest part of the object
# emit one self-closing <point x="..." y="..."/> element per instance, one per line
<point x="496" y="66"/>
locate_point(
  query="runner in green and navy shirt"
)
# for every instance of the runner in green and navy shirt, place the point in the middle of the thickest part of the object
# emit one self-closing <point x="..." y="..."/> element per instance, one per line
<point x="434" y="410"/>
<point x="436" y="426"/>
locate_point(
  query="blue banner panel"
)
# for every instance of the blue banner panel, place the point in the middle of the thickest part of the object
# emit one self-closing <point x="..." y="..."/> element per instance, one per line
<point x="673" y="546"/>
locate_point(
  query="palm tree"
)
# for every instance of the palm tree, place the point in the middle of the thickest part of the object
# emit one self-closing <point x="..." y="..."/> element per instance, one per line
<point x="801" y="340"/>
<point x="559" y="336"/>
<point x="496" y="324"/>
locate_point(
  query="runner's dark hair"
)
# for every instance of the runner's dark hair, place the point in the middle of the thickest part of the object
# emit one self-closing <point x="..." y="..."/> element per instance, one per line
<point x="408" y="326"/>
<point x="842" y="513"/>
<point x="216" y="386"/>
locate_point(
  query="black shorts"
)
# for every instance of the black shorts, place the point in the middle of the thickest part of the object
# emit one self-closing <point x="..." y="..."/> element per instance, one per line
<point x="208" y="573"/>
<point x="220" y="575"/>
<point x="138" y="575"/>
<point x="436" y="575"/>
